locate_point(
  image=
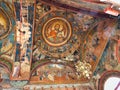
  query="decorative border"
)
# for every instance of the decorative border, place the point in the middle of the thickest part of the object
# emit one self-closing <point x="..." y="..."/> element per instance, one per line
<point x="69" y="33"/>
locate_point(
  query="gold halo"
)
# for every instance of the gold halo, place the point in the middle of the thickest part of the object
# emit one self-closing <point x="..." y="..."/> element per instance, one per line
<point x="6" y="21"/>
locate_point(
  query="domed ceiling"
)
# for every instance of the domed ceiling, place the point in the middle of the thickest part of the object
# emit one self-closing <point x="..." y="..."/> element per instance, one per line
<point x="52" y="42"/>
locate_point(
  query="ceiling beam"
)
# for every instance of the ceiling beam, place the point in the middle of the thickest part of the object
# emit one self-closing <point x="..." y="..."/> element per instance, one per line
<point x="76" y="7"/>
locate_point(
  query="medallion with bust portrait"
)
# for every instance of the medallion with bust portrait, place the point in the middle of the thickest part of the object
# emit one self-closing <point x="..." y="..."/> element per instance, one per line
<point x="56" y="31"/>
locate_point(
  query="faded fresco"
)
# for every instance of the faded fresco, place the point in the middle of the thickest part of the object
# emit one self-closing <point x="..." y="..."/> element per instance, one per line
<point x="45" y="47"/>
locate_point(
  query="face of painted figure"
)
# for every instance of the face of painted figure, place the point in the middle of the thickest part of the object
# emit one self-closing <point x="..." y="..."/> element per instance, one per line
<point x="57" y="27"/>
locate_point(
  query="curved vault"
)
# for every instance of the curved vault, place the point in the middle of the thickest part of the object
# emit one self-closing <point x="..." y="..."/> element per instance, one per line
<point x="82" y="50"/>
<point x="76" y="42"/>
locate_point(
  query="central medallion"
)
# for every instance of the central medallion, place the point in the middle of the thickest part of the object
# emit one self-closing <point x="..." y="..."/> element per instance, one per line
<point x="57" y="35"/>
<point x="56" y="31"/>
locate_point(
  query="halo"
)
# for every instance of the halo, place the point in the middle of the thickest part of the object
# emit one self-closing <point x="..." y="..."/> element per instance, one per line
<point x="57" y="23"/>
<point x="4" y="17"/>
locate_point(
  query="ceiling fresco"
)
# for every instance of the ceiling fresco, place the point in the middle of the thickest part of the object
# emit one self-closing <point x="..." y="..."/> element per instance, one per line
<point x="55" y="36"/>
<point x="57" y="45"/>
<point x="7" y="23"/>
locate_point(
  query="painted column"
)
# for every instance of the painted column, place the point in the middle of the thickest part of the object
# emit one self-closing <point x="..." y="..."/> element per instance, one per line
<point x="24" y="24"/>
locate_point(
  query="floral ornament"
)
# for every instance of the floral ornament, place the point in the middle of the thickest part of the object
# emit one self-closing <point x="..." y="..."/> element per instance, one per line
<point x="83" y="69"/>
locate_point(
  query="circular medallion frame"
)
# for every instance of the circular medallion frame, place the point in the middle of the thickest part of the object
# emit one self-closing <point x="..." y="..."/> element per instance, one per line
<point x="56" y="31"/>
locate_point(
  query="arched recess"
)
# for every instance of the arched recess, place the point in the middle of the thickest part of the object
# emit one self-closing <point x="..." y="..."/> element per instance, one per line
<point x="39" y="64"/>
<point x="53" y="72"/>
<point x="4" y="73"/>
<point x="6" y="64"/>
<point x="105" y="80"/>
